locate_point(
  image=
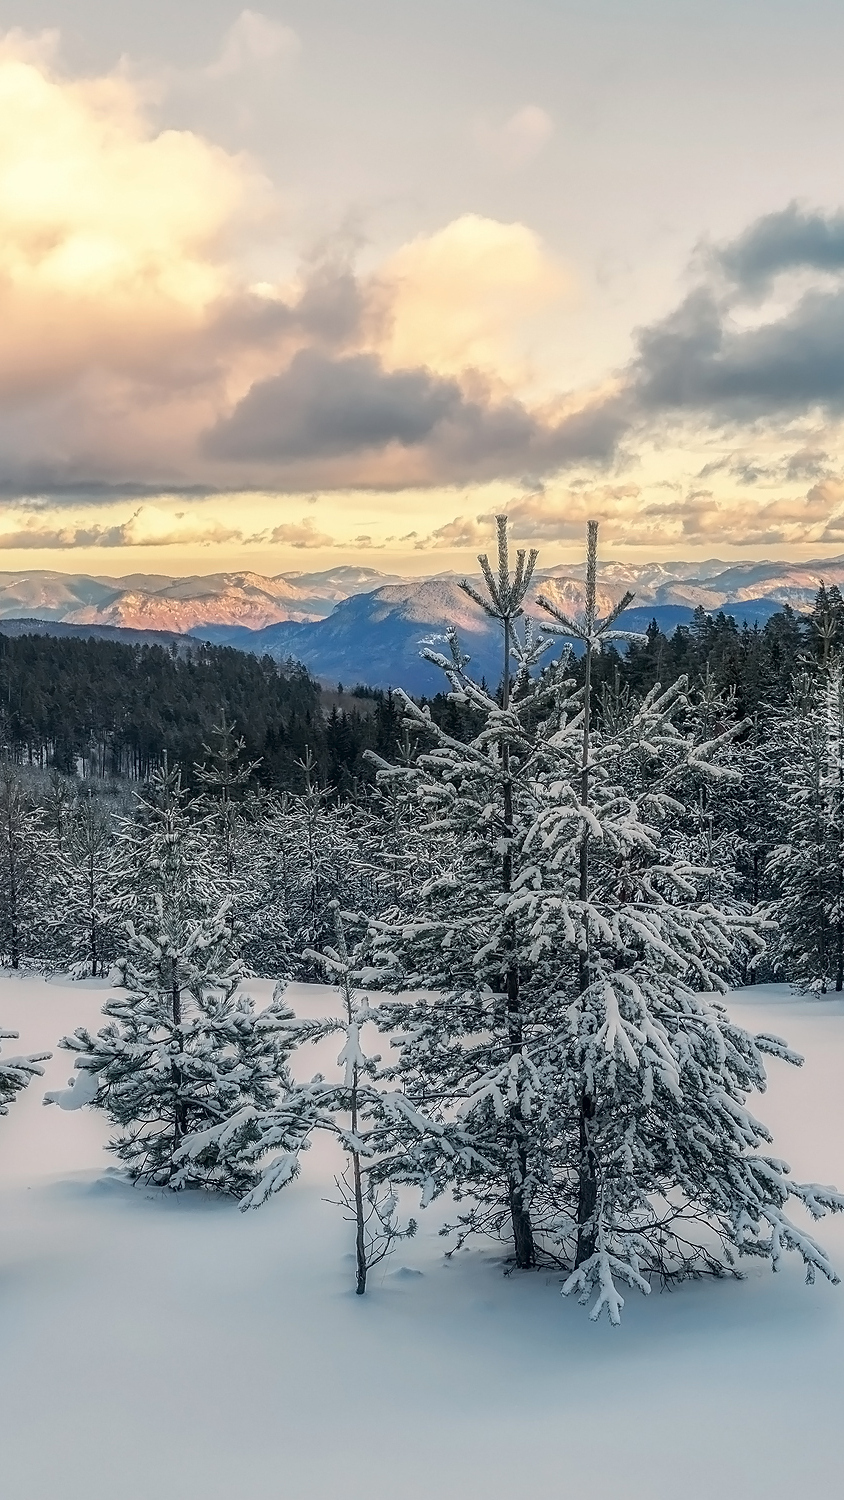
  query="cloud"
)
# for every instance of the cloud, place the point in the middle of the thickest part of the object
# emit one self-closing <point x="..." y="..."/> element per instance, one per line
<point x="561" y="517"/>
<point x="715" y="356"/>
<point x="518" y="139"/>
<point x="60" y="538"/>
<point x="322" y="407"/>
<point x="136" y="355"/>
<point x="302" y="535"/>
<point x="788" y="240"/>
<point x="463" y="531"/>
<point x="148" y="526"/>
<point x="141" y="357"/>
<point x="392" y="428"/>
<point x="465" y="296"/>
<point x="111" y="234"/>
<point x="254" y="40"/>
<point x="698" y="360"/>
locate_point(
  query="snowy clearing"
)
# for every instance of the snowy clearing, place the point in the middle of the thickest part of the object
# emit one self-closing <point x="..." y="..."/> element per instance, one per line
<point x="171" y="1346"/>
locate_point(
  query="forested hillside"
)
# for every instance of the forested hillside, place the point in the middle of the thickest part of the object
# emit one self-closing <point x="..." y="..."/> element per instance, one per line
<point x="112" y="710"/>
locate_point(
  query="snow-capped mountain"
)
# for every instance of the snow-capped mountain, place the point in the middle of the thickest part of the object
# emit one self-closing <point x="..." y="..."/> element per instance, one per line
<point x="358" y="625"/>
<point x="142" y="601"/>
<point x="378" y="638"/>
<point x="158" y="602"/>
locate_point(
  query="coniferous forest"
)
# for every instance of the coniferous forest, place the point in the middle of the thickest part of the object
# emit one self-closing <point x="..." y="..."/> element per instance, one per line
<point x="537" y="892"/>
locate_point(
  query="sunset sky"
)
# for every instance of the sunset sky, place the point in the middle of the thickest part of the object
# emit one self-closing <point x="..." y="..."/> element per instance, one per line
<point x="335" y="280"/>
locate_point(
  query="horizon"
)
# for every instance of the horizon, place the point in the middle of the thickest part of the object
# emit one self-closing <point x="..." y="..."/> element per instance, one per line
<point x="724" y="563"/>
<point x="446" y="573"/>
<point x="287" y="284"/>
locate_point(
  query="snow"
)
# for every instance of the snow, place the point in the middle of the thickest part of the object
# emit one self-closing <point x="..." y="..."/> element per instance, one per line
<point x="171" y="1346"/>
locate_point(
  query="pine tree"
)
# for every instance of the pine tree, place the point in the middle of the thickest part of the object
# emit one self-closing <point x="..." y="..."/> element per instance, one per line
<point x="24" y="865"/>
<point x="240" y="850"/>
<point x="365" y="1119"/>
<point x="17" y="1072"/>
<point x="315" y="859"/>
<point x="89" y="869"/>
<point x="465" y="1049"/>
<point x="183" y="1049"/>
<point x="640" y="1156"/>
<point x="369" y="1137"/>
<point x="227" y="778"/>
<point x="806" y="869"/>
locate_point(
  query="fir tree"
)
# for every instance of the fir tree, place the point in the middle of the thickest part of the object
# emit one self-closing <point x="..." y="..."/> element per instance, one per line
<point x="370" y="1202"/>
<point x="17" y="1072"/>
<point x="465" y="1050"/>
<point x="239" y="824"/>
<point x="356" y="1111"/>
<point x="315" y="860"/>
<point x="24" y="865"/>
<point x="806" y="868"/>
<point x="183" y="1049"/>
<point x="631" y="1079"/>
<point x="88" y="871"/>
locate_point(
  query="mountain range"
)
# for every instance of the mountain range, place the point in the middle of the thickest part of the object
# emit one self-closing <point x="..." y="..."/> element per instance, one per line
<point x="358" y="625"/>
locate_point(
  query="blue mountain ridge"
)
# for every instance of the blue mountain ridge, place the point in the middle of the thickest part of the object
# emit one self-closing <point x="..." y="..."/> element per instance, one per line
<point x="372" y="640"/>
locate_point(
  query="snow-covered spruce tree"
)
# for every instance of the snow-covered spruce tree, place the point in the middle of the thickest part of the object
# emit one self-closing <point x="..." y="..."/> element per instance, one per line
<point x="393" y="855"/>
<point x="314" y="856"/>
<point x="182" y="1049"/>
<point x="226" y="778"/>
<point x="368" y="1133"/>
<point x="465" y="1049"/>
<point x="24" y="868"/>
<point x="17" y="1072"/>
<point x="667" y="1152"/>
<point x="239" y="823"/>
<point x="640" y="1155"/>
<point x="88" y="869"/>
<point x="367" y="1121"/>
<point x="806" y="868"/>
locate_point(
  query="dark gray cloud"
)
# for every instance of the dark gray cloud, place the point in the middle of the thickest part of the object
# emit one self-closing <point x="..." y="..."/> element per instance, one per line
<point x="791" y="239"/>
<point x="704" y="359"/>
<point x="330" y="311"/>
<point x="698" y="360"/>
<point x="322" y="408"/>
<point x="35" y="489"/>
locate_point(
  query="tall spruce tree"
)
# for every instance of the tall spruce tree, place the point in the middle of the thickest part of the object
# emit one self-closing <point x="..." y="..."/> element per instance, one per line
<point x="88" y="870"/>
<point x="621" y="1117"/>
<point x="806" y="868"/>
<point x="24" y="870"/>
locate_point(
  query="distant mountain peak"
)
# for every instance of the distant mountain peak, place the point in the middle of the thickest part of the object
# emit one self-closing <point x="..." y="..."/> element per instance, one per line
<point x="244" y="598"/>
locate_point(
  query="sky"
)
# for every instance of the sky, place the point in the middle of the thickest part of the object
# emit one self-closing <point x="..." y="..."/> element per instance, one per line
<point x="329" y="282"/>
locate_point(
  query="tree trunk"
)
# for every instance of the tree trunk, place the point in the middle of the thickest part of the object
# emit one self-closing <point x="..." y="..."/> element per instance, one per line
<point x="587" y="1186"/>
<point x="523" y="1241"/>
<point x="14" y="915"/>
<point x="587" y="1171"/>
<point x="179" y="1109"/>
<point x="360" y="1231"/>
<point x="92" y="912"/>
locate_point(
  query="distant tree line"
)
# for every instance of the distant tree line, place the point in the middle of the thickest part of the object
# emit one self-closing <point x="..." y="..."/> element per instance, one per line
<point x="106" y="710"/>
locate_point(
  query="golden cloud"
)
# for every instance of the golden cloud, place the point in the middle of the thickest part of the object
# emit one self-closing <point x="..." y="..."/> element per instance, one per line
<point x="111" y="235"/>
<point x="301" y="535"/>
<point x="468" y="297"/>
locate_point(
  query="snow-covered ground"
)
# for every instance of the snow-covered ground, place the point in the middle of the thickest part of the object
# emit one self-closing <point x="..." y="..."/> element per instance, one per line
<point x="173" y="1348"/>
